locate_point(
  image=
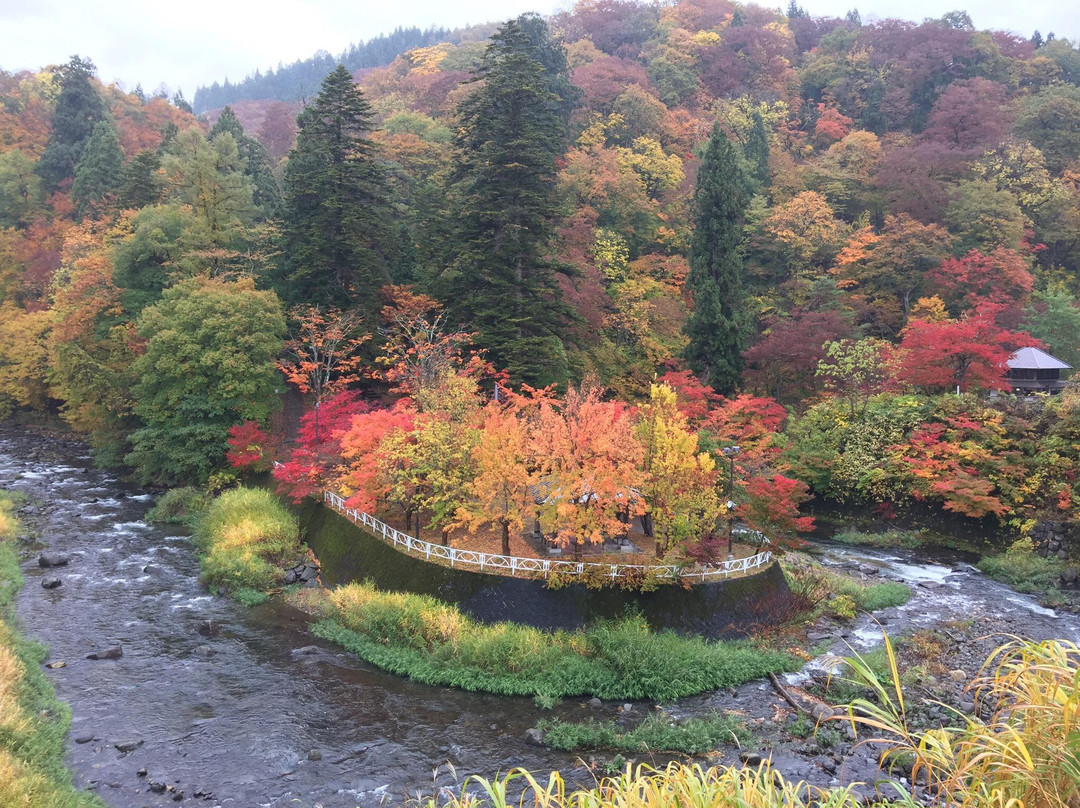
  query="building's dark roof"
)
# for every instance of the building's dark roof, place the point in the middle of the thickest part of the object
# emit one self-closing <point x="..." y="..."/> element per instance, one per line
<point x="1034" y="359"/>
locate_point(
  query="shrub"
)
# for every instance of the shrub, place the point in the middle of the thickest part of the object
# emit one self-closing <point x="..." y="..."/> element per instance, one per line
<point x="246" y="536"/>
<point x="882" y="595"/>
<point x="178" y="506"/>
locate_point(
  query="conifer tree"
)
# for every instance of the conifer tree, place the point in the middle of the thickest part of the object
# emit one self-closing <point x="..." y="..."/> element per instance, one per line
<point x="78" y="109"/>
<point x="100" y="170"/>
<point x="716" y="326"/>
<point x="142" y="183"/>
<point x="267" y="195"/>
<point x="502" y="283"/>
<point x="335" y="208"/>
<point x="757" y="149"/>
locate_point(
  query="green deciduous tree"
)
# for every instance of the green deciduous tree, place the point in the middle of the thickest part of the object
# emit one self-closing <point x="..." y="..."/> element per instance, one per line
<point x="716" y="327"/>
<point x="210" y="346"/>
<point x="335" y="207"/>
<point x="512" y="131"/>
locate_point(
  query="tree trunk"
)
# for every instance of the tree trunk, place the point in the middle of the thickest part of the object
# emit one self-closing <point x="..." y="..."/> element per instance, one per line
<point x="506" y="538"/>
<point x="647" y="525"/>
<point x="446" y="537"/>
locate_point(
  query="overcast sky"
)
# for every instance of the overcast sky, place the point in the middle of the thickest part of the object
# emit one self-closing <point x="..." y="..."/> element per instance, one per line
<point x="199" y="41"/>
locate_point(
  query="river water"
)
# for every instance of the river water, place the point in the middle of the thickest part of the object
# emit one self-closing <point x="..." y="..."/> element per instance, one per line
<point x="237" y="714"/>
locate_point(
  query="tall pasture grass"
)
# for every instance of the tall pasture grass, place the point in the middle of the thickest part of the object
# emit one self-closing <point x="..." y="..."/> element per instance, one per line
<point x="676" y="786"/>
<point x="432" y="642"/>
<point x="1020" y="750"/>
<point x="33" y="722"/>
<point x="245" y="538"/>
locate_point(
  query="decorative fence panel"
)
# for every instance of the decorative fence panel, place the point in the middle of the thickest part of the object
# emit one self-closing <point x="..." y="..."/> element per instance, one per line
<point x="520" y="567"/>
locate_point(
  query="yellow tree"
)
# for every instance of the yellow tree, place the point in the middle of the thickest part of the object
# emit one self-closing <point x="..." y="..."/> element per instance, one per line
<point x="23" y="357"/>
<point x="504" y="485"/>
<point x="679" y="481"/>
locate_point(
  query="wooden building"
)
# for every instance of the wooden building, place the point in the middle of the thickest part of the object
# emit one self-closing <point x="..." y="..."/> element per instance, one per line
<point x="1035" y="371"/>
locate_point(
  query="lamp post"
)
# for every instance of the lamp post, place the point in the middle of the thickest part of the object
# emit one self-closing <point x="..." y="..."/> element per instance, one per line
<point x="729" y="452"/>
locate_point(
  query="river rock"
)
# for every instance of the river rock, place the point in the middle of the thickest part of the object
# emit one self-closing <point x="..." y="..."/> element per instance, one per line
<point x="309" y="574"/>
<point x="967" y="707"/>
<point x="306" y="650"/>
<point x="628" y="708"/>
<point x="534" y="737"/>
<point x="56" y="665"/>
<point x="595" y="703"/>
<point x="314" y="755"/>
<point x="750" y="758"/>
<point x="156" y="786"/>
<point x="81" y="739"/>
<point x="958" y="675"/>
<point x="141" y="772"/>
<point x="1070" y="575"/>
<point x="209" y="628"/>
<point x="205" y="651"/>
<point x="128" y="746"/>
<point x="290" y="577"/>
<point x="108" y="653"/>
<point x="150" y="569"/>
<point x="51" y="583"/>
<point x="53" y="560"/>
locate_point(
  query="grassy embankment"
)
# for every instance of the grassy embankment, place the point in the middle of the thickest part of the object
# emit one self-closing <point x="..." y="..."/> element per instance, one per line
<point x="435" y="643"/>
<point x="33" y="722"/>
<point x="657" y="733"/>
<point x="1023" y="752"/>
<point x="826" y="591"/>
<point x="1026" y="571"/>
<point x="246" y="537"/>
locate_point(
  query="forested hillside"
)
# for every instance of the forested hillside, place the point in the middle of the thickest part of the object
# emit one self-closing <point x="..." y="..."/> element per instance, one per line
<point x="812" y="229"/>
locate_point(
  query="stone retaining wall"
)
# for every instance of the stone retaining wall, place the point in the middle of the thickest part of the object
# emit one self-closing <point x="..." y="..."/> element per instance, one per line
<point x="718" y="608"/>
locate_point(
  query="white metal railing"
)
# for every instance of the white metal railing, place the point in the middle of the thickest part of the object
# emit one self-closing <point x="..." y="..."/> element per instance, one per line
<point x="517" y="566"/>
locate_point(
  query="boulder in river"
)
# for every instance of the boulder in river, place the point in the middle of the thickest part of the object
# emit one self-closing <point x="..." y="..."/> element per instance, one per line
<point x="534" y="737"/>
<point x="209" y="628"/>
<point x="51" y="583"/>
<point x="128" y="746"/>
<point x="107" y="653"/>
<point x="52" y="560"/>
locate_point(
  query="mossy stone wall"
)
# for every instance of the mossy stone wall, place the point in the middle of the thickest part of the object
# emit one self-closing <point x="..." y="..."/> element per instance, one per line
<point x="714" y="609"/>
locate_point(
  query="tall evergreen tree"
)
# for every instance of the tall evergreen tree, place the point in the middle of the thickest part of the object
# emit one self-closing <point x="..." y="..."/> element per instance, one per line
<point x="267" y="195"/>
<point x="78" y="109"/>
<point x="100" y="170"/>
<point x="716" y="327"/>
<point x="757" y="149"/>
<point x="336" y="214"/>
<point x="142" y="184"/>
<point x="501" y="281"/>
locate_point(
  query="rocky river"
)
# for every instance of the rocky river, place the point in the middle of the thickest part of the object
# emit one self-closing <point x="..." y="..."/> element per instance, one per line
<point x="212" y="703"/>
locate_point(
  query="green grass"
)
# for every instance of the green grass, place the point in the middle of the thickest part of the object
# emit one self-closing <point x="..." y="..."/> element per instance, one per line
<point x="910" y="539"/>
<point x="657" y="733"/>
<point x="434" y="643"/>
<point x="33" y="722"/>
<point x="246" y="537"/>
<point x="178" y="506"/>
<point x="846" y="594"/>
<point x="1024" y="570"/>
